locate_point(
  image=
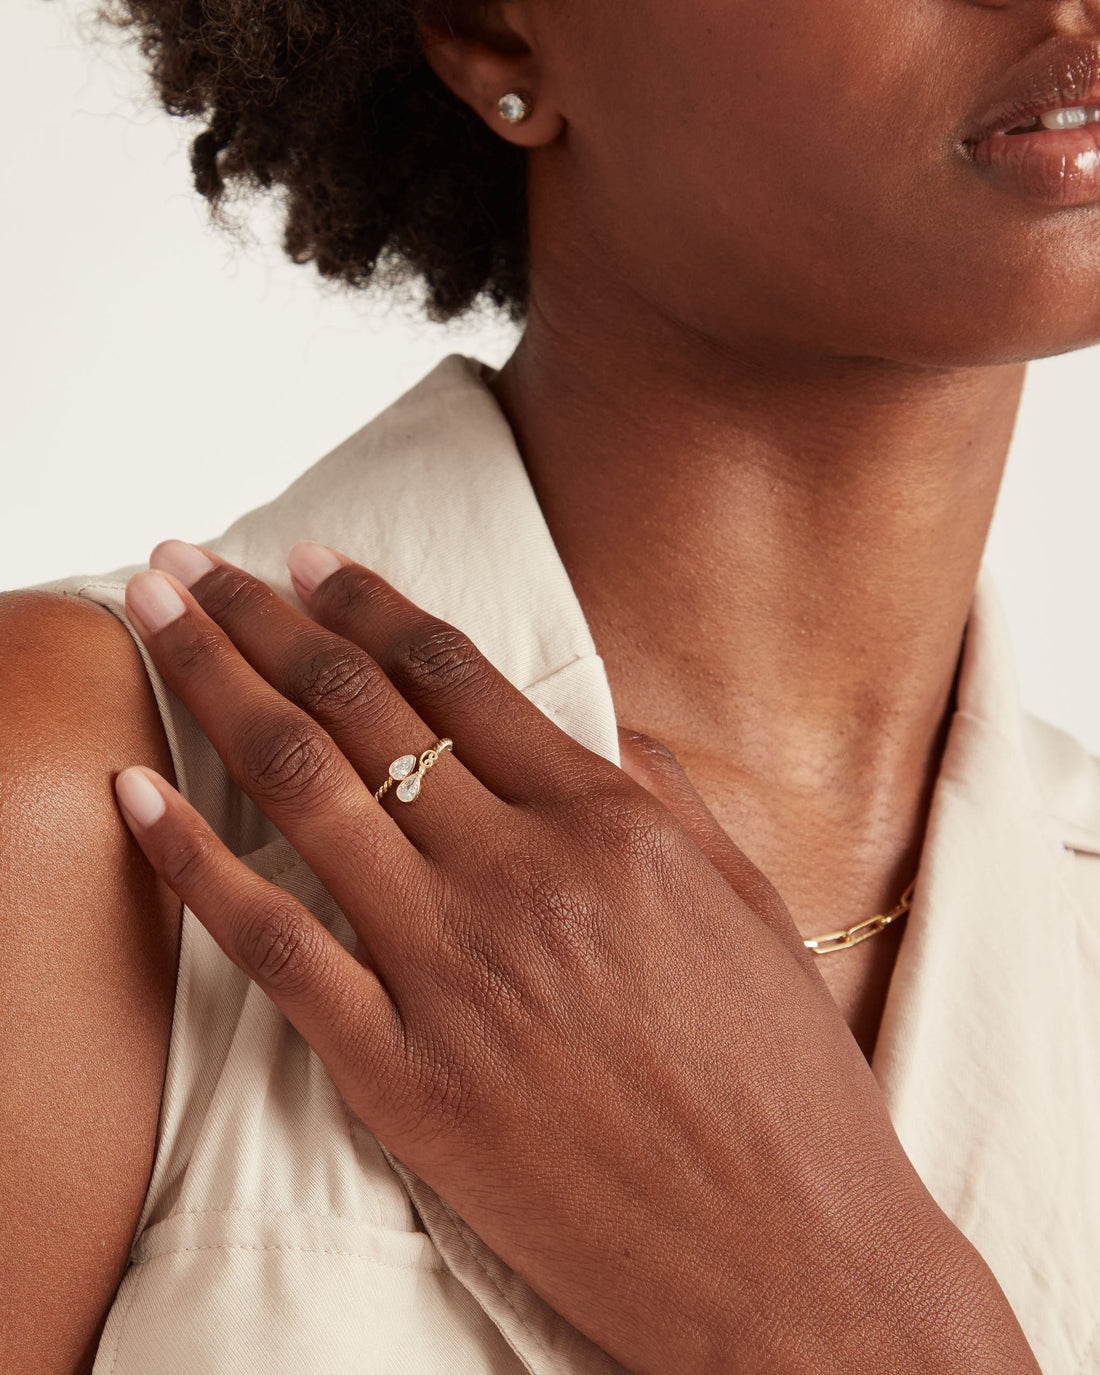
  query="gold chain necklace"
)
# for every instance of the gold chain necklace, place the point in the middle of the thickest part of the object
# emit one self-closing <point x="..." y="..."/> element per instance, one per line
<point x="863" y="930"/>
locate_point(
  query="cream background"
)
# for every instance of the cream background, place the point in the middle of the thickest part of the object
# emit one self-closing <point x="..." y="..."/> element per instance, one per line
<point x="157" y="380"/>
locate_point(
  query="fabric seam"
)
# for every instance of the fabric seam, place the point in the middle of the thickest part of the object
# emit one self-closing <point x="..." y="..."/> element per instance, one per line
<point x="281" y="1213"/>
<point x="123" y="1322"/>
<point x="183" y="786"/>
<point x="461" y="1228"/>
<point x="307" y="1250"/>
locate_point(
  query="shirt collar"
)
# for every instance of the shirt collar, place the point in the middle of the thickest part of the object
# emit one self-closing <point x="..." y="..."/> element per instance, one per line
<point x="433" y="495"/>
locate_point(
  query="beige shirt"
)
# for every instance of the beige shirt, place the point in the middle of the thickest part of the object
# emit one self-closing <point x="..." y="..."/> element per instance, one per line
<point x="278" y="1236"/>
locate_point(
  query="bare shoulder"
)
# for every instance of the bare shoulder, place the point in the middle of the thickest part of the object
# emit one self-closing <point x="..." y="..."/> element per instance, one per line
<point x="87" y="982"/>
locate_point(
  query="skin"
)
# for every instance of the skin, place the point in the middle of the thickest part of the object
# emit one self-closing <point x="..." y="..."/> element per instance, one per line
<point x="88" y="977"/>
<point x="779" y="324"/>
<point x="709" y="360"/>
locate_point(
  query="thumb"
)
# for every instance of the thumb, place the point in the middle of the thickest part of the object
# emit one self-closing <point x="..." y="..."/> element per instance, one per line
<point x="656" y="768"/>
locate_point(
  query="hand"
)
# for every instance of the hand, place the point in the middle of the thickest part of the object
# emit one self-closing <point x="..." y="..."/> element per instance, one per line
<point x="588" y="1023"/>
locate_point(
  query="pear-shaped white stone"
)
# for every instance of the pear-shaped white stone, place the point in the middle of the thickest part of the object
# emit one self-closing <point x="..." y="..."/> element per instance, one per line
<point x="401" y="768"/>
<point x="408" y="790"/>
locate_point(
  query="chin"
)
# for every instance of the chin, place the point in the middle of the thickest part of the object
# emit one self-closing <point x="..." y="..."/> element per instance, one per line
<point x="996" y="340"/>
<point x="1010" y="307"/>
<point x="1005" y="323"/>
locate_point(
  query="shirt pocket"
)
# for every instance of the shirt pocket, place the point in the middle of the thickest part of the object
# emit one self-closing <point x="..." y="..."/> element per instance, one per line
<point x="253" y="1293"/>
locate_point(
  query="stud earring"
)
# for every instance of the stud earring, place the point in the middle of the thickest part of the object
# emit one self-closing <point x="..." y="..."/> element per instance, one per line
<point x="515" y="106"/>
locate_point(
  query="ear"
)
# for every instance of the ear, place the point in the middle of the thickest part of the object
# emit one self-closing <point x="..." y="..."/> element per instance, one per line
<point x="482" y="56"/>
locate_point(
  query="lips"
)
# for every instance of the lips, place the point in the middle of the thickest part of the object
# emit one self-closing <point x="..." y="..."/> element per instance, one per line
<point x="1057" y="167"/>
<point x="1061" y="73"/>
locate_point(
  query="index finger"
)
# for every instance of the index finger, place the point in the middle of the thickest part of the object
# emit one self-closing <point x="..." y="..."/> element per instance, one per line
<point x="340" y="1006"/>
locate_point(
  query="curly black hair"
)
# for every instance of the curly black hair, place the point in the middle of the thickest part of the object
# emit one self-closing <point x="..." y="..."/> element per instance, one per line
<point x="385" y="174"/>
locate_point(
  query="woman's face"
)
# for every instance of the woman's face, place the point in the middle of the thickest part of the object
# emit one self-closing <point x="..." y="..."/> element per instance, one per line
<point x="797" y="171"/>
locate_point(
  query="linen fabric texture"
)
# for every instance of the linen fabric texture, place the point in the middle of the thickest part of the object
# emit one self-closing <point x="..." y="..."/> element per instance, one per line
<point x="279" y="1236"/>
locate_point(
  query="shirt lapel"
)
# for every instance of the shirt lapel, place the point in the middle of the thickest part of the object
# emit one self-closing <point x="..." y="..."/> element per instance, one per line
<point x="988" y="1048"/>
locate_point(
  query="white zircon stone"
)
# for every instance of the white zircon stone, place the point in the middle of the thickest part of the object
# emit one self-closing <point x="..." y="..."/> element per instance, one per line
<point x="401" y="768"/>
<point x="513" y="107"/>
<point x="408" y="790"/>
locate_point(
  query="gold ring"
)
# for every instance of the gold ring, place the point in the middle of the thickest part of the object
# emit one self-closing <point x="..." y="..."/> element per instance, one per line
<point x="407" y="772"/>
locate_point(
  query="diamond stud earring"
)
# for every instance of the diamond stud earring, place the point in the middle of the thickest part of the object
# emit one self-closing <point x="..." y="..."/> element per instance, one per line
<point x="515" y="107"/>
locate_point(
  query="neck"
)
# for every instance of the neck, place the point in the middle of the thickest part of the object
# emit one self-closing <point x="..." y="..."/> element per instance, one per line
<point x="776" y="555"/>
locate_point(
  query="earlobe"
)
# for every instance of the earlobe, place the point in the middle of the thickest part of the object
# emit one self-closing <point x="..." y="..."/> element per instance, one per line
<point x="500" y="82"/>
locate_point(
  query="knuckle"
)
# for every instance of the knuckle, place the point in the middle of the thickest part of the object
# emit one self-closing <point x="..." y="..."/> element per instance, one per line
<point x="493" y="985"/>
<point x="184" y="859"/>
<point x="227" y="593"/>
<point x="278" y="946"/>
<point x="633" y="829"/>
<point x="348" y="593"/>
<point x="197" y="653"/>
<point x="565" y="915"/>
<point x="439" y="1099"/>
<point x="335" y="681"/>
<point x="437" y="659"/>
<point x="655" y="752"/>
<point x="285" y="759"/>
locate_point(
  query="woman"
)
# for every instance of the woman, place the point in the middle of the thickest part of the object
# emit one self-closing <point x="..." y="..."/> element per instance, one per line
<point x="519" y="1059"/>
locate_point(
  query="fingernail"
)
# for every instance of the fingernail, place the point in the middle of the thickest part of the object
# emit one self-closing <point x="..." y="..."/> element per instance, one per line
<point x="312" y="563"/>
<point x="182" y="560"/>
<point x="154" y="600"/>
<point x="139" y="795"/>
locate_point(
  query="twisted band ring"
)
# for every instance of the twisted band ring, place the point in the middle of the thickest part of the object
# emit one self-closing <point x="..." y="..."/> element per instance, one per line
<point x="407" y="771"/>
